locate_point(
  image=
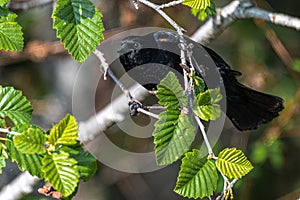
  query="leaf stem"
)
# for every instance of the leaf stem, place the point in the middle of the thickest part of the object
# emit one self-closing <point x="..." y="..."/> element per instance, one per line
<point x="229" y="186"/>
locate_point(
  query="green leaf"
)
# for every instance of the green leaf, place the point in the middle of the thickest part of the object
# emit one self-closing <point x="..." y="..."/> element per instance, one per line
<point x="86" y="163"/>
<point x="3" y="156"/>
<point x="206" y="104"/>
<point x="79" y="27"/>
<point x="233" y="163"/>
<point x="170" y="92"/>
<point x="197" y="176"/>
<point x="31" y="141"/>
<point x="3" y="2"/>
<point x="11" y="36"/>
<point x="202" y="14"/>
<point x="173" y="136"/>
<point x="26" y="162"/>
<point x="65" y="132"/>
<point x="199" y="84"/>
<point x="61" y="172"/>
<point x="197" y="4"/>
<point x="296" y="65"/>
<point x="15" y="106"/>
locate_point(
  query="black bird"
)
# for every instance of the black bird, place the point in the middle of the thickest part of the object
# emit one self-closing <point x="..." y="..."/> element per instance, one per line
<point x="149" y="58"/>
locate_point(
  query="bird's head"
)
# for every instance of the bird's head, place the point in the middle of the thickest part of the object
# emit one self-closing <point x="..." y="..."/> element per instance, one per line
<point x="131" y="44"/>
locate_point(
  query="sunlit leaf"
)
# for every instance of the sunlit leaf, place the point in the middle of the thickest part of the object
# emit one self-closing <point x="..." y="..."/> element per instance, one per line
<point x="65" y="132"/>
<point x="173" y="136"/>
<point x="61" y="172"/>
<point x="206" y="104"/>
<point x="3" y="156"/>
<point x="197" y="4"/>
<point x="197" y="176"/>
<point x="31" y="141"/>
<point x="79" y="27"/>
<point x="170" y="92"/>
<point x="15" y="106"/>
<point x="11" y="36"/>
<point x="3" y="2"/>
<point x="233" y="163"/>
<point x="202" y="14"/>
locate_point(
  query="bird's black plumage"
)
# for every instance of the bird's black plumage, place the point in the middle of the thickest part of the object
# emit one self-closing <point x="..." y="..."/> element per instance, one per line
<point x="246" y="108"/>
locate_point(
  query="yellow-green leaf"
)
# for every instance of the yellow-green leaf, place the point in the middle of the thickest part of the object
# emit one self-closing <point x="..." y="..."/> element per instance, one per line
<point x="197" y="4"/>
<point x="61" y="172"/>
<point x="233" y="163"/>
<point x="65" y="132"/>
<point x="31" y="141"/>
<point x="206" y="104"/>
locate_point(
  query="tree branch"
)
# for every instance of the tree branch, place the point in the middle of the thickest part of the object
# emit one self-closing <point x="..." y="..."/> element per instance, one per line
<point x="25" y="5"/>
<point x="240" y="10"/>
<point x="21" y="185"/>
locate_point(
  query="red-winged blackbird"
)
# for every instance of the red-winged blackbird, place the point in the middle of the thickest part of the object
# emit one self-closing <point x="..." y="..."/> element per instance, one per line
<point x="147" y="57"/>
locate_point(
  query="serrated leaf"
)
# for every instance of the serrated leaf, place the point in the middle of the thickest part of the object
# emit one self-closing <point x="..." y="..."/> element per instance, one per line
<point x="31" y="141"/>
<point x="26" y="162"/>
<point x="170" y="92"/>
<point x="3" y="2"/>
<point x="202" y="14"/>
<point x="65" y="132"/>
<point x="233" y="163"/>
<point x="206" y="104"/>
<point x="197" y="176"/>
<point x="86" y="163"/>
<point x="11" y="36"/>
<point x="79" y="27"/>
<point x="15" y="106"/>
<point x="61" y="172"/>
<point x="173" y="136"/>
<point x="3" y="156"/>
<point x="197" y="4"/>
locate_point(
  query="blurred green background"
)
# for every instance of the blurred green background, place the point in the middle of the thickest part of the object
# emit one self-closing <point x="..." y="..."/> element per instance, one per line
<point x="265" y="53"/>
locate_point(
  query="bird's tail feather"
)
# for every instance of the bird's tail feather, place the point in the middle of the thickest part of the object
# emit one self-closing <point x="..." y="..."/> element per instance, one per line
<point x="247" y="108"/>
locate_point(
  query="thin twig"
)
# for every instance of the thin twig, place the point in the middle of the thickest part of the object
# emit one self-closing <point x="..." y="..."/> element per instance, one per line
<point x="104" y="64"/>
<point x="102" y="59"/>
<point x="162" y="13"/>
<point x="141" y="110"/>
<point x="6" y="130"/>
<point x="156" y="107"/>
<point x="202" y="129"/>
<point x="170" y="4"/>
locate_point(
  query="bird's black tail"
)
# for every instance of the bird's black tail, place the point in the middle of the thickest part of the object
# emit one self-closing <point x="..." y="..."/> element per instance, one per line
<point x="247" y="108"/>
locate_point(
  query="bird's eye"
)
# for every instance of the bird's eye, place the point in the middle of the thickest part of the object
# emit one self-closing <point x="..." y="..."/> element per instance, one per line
<point x="135" y="45"/>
